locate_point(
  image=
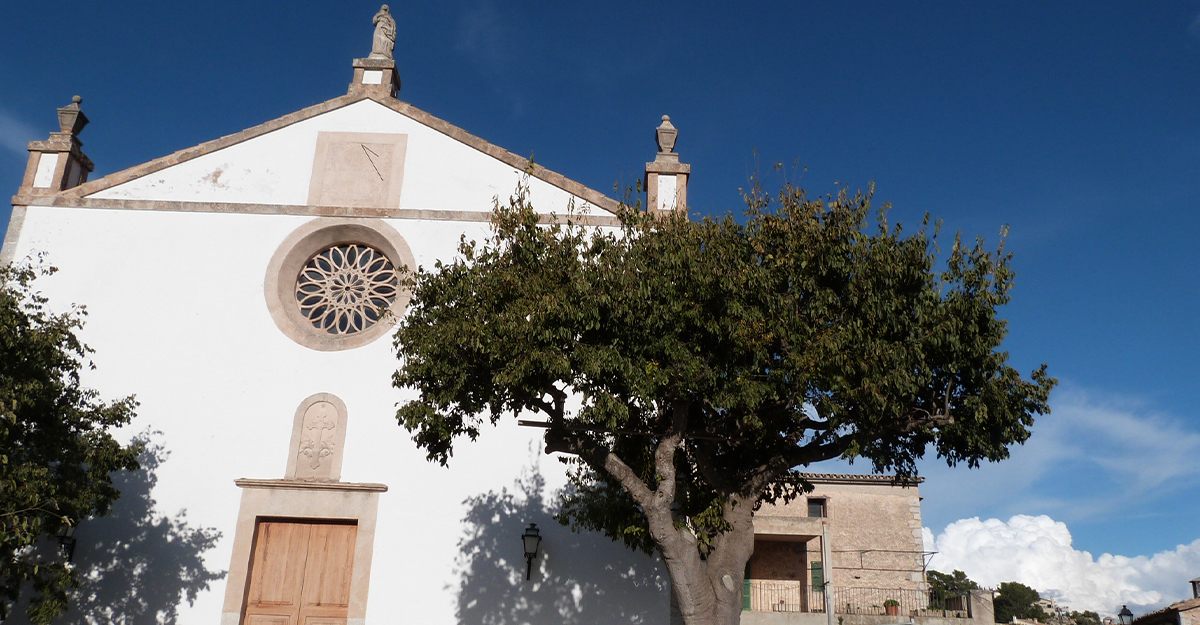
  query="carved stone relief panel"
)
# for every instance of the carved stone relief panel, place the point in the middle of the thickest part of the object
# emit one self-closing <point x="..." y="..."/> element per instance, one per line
<point x="318" y="439"/>
<point x="358" y="169"/>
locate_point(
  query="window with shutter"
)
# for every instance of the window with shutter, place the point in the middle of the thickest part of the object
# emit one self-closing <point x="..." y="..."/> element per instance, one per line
<point x="817" y="576"/>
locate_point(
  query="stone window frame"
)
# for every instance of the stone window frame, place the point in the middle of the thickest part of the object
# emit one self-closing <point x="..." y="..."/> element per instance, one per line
<point x="310" y="239"/>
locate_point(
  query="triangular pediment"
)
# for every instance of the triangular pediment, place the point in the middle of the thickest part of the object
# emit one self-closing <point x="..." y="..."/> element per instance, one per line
<point x="356" y="153"/>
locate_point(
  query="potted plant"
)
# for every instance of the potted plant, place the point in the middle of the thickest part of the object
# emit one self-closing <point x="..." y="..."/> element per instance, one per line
<point x="891" y="607"/>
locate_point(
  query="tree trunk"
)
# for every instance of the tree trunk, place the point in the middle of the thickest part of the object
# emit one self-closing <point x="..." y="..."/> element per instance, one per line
<point x="709" y="591"/>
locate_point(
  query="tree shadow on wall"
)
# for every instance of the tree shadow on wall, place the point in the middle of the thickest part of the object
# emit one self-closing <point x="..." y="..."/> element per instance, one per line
<point x="577" y="578"/>
<point x="136" y="565"/>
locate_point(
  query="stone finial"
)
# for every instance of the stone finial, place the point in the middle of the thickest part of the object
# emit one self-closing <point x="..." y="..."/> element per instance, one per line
<point x="384" y="41"/>
<point x="665" y="135"/>
<point x="666" y="177"/>
<point x="71" y="119"/>
<point x="58" y="163"/>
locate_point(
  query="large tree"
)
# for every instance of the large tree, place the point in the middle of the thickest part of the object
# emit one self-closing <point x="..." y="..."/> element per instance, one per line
<point x="1016" y="600"/>
<point x="56" y="454"/>
<point x="948" y="588"/>
<point x="685" y="368"/>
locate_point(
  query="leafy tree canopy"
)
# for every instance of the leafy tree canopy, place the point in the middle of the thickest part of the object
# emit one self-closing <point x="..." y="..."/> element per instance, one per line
<point x="943" y="586"/>
<point x="56" y="454"/>
<point x="685" y="367"/>
<point x="1014" y="599"/>
<point x="956" y="582"/>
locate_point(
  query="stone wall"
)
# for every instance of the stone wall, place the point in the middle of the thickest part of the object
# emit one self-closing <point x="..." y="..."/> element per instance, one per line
<point x="779" y="560"/>
<point x="874" y="531"/>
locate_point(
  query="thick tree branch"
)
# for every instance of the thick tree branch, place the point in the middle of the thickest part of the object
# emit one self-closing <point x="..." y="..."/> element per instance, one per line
<point x="917" y="418"/>
<point x="664" y="454"/>
<point x="600" y="458"/>
<point x="814" y="451"/>
<point x="553" y="411"/>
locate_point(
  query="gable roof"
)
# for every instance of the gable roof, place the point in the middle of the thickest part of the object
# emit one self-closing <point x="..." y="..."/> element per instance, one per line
<point x="78" y="196"/>
<point x="1168" y="615"/>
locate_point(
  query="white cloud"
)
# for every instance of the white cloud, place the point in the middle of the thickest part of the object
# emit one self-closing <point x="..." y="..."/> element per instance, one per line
<point x="15" y="134"/>
<point x="1120" y="436"/>
<point x="1086" y="458"/>
<point x="1037" y="551"/>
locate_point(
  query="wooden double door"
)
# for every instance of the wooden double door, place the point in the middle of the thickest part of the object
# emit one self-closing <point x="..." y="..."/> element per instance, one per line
<point x="300" y="573"/>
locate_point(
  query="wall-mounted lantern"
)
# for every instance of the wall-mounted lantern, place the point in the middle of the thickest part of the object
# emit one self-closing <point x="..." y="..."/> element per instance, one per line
<point x="531" y="539"/>
<point x="66" y="541"/>
<point x="1125" y="615"/>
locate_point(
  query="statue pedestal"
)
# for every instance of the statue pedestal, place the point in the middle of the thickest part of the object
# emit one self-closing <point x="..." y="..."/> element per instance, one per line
<point x="375" y="77"/>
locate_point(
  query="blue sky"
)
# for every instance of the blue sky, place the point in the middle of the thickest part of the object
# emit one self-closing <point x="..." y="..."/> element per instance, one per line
<point x="1077" y="124"/>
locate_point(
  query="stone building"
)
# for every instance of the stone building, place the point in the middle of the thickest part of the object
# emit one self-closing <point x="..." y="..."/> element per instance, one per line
<point x="873" y="529"/>
<point x="229" y="286"/>
<point x="852" y="545"/>
<point x="1186" y="612"/>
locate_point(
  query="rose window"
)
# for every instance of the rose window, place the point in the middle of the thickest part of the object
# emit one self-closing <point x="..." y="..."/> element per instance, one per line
<point x="346" y="288"/>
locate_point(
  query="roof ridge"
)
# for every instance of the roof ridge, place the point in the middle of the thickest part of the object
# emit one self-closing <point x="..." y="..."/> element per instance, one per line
<point x="869" y="477"/>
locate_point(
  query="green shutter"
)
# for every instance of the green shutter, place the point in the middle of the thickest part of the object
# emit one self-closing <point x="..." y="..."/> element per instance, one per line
<point x="746" y="595"/>
<point x="818" y="576"/>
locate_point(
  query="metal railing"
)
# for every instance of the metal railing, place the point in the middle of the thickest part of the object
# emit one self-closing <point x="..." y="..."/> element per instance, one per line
<point x="795" y="596"/>
<point x="901" y="602"/>
<point x="784" y="596"/>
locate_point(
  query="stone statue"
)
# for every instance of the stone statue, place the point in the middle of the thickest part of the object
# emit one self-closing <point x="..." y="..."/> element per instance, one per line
<point x="385" y="34"/>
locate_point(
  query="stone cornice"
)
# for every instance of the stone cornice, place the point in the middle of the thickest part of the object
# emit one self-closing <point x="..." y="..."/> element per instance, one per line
<point x="312" y="485"/>
<point x="65" y="201"/>
<point x="537" y="171"/>
<point x="668" y="167"/>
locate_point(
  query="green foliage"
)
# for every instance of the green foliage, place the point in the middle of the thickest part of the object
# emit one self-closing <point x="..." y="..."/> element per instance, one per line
<point x="803" y="334"/>
<point x="1087" y="617"/>
<point x="943" y="586"/>
<point x="56" y="455"/>
<point x="1014" y="599"/>
<point x="956" y="582"/>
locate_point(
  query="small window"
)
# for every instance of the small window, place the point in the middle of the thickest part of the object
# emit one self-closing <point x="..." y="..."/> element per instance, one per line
<point x="816" y="507"/>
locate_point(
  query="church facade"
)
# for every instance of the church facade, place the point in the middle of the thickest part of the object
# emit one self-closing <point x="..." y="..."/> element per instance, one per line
<point x="234" y="288"/>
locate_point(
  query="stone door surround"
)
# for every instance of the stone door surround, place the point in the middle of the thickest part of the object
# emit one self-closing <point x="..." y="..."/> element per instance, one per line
<point x="307" y="495"/>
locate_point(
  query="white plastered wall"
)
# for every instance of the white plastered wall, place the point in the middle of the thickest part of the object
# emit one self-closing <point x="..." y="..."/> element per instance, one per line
<point x="177" y="317"/>
<point x="441" y="173"/>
